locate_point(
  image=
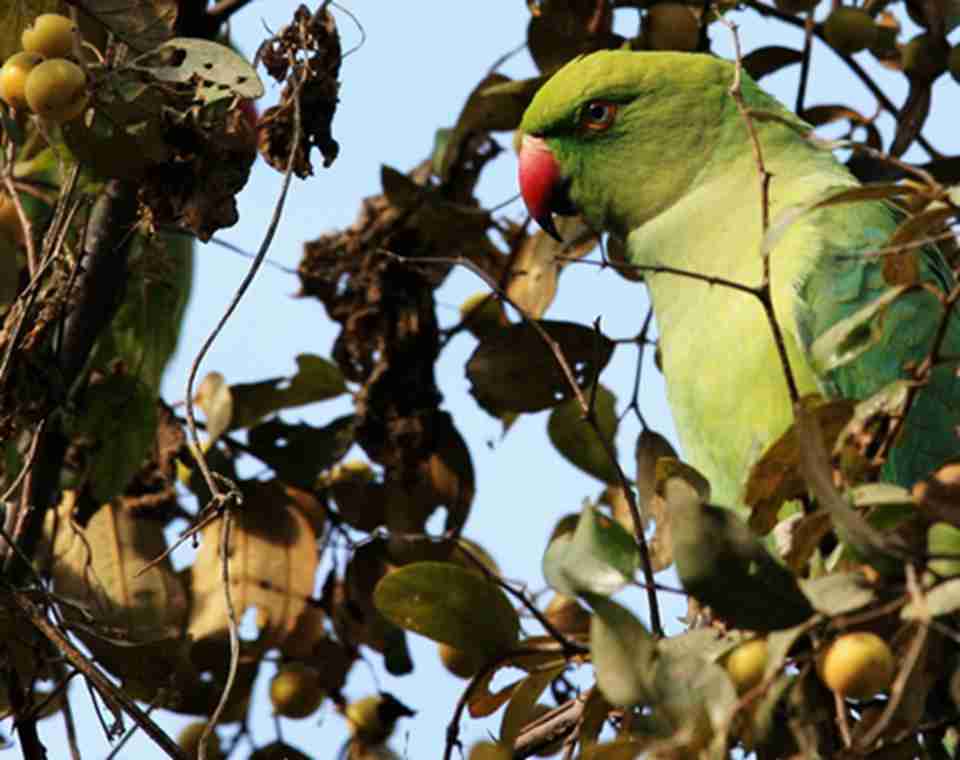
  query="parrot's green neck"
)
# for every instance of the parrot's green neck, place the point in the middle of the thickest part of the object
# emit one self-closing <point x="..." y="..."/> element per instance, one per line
<point x="712" y="336"/>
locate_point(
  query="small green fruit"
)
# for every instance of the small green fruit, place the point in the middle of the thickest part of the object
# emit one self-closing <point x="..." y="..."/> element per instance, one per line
<point x="850" y="30"/>
<point x="51" y="35"/>
<point x="296" y="691"/>
<point x="13" y="78"/>
<point x="925" y="57"/>
<point x="56" y="90"/>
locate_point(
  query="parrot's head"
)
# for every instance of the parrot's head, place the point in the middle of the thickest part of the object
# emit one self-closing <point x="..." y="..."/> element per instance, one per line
<point x="619" y="136"/>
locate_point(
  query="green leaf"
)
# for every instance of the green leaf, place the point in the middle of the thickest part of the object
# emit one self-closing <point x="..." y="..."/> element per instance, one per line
<point x="142" y="25"/>
<point x="218" y="71"/>
<point x="146" y="328"/>
<point x="284" y="447"/>
<point x="120" y="413"/>
<point x="838" y="593"/>
<point x="317" y="379"/>
<point x="514" y="370"/>
<point x="577" y="440"/>
<point x="623" y="653"/>
<point x="599" y="557"/>
<point x="944" y="539"/>
<point x="942" y="599"/>
<point x="449" y="604"/>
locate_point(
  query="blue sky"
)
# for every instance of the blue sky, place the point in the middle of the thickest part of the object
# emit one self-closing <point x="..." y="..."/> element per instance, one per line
<point x="408" y="79"/>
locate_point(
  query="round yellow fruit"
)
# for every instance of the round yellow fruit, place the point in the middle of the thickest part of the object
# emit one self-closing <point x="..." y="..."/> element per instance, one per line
<point x="51" y="35"/>
<point x="56" y="90"/>
<point x="857" y="665"/>
<point x="296" y="691"/>
<point x="850" y="30"/>
<point x="671" y="26"/>
<point x="189" y="741"/>
<point x="925" y="56"/>
<point x="13" y="78"/>
<point x="746" y="664"/>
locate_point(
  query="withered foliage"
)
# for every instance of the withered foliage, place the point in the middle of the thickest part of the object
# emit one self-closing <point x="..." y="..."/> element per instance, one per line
<point x="96" y="463"/>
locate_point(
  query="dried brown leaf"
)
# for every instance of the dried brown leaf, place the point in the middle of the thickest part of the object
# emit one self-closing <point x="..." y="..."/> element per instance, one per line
<point x="272" y="564"/>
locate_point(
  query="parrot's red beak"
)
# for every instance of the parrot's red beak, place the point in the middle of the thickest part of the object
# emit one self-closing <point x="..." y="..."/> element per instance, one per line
<point x="541" y="184"/>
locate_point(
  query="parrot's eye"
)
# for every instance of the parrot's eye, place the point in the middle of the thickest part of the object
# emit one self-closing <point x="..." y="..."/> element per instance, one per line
<point x="598" y="115"/>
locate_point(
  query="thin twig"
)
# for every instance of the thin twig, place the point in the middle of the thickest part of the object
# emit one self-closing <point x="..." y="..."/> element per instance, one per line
<point x="114" y="696"/>
<point x="220" y="499"/>
<point x="585" y="408"/>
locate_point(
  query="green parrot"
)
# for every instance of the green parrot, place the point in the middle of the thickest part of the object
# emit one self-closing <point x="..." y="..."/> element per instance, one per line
<point x="651" y="148"/>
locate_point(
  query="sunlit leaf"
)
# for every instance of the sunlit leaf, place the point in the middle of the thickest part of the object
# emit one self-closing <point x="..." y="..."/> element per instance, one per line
<point x="623" y="653"/>
<point x="272" y="563"/>
<point x="214" y="397"/>
<point x="599" y="557"/>
<point x="217" y="71"/>
<point x="839" y="593"/>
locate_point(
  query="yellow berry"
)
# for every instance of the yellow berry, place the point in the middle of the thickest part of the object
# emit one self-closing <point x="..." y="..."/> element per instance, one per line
<point x="857" y="665"/>
<point x="56" y="90"/>
<point x="746" y="664"/>
<point x="51" y="35"/>
<point x="13" y="78"/>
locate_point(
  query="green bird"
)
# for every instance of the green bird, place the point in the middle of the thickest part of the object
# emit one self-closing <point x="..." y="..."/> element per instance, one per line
<point x="651" y="148"/>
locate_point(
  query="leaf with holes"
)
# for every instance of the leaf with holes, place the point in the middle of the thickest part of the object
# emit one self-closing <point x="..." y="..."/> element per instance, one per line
<point x="215" y="70"/>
